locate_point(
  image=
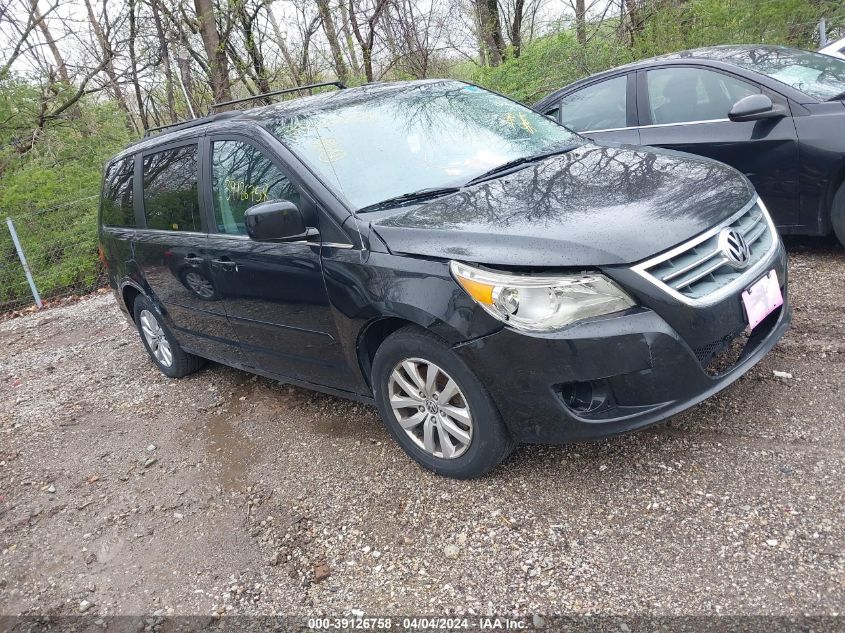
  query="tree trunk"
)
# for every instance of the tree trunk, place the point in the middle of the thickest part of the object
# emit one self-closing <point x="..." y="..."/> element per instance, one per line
<point x="366" y="43"/>
<point x="334" y="44"/>
<point x="187" y="83"/>
<point x="496" y="25"/>
<point x="366" y="54"/>
<point x="61" y="66"/>
<point x="479" y="33"/>
<point x="165" y="58"/>
<point x="305" y="60"/>
<point x="516" y="26"/>
<point x="218" y="67"/>
<point x="253" y="49"/>
<point x="293" y="66"/>
<point x="350" y="43"/>
<point x="581" y="22"/>
<point x="635" y="20"/>
<point x="108" y="67"/>
<point x="133" y="64"/>
<point x="491" y="30"/>
<point x="243" y="72"/>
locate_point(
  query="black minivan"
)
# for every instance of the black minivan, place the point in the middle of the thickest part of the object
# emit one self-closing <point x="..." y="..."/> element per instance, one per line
<point x="483" y="275"/>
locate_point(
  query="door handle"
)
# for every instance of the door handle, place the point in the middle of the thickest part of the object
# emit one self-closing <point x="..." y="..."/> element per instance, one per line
<point x="225" y="263"/>
<point x="193" y="259"/>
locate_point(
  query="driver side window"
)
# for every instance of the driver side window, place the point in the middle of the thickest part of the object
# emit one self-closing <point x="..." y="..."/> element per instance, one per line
<point x="242" y="177"/>
<point x="685" y="95"/>
<point x="601" y="106"/>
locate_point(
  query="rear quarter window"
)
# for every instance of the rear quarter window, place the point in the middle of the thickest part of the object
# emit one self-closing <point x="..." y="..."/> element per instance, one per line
<point x="117" y="207"/>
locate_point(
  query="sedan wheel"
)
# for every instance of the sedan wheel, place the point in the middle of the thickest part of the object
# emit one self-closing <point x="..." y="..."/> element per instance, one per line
<point x="431" y="408"/>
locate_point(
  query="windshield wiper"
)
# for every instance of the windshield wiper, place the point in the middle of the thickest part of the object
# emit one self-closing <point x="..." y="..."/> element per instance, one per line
<point x="518" y="162"/>
<point x="838" y="97"/>
<point x="414" y="196"/>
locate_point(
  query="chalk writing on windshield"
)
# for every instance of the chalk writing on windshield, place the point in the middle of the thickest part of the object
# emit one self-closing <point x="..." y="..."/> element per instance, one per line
<point x="514" y="121"/>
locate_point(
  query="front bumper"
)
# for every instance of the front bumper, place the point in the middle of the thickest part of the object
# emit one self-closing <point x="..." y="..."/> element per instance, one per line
<point x="618" y="373"/>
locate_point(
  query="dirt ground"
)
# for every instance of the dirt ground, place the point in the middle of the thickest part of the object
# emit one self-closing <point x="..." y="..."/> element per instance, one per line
<point x="125" y="492"/>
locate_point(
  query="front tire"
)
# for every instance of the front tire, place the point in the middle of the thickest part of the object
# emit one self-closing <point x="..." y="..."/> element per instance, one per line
<point x="160" y="343"/>
<point x="436" y="408"/>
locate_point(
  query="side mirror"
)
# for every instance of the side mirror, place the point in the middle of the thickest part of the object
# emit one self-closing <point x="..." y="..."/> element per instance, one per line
<point x="276" y="221"/>
<point x="755" y="108"/>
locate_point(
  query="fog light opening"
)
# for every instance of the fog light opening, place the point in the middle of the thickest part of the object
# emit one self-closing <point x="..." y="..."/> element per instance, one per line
<point x="578" y="396"/>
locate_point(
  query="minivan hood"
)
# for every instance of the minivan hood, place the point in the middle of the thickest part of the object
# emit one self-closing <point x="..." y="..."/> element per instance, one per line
<point x="596" y="205"/>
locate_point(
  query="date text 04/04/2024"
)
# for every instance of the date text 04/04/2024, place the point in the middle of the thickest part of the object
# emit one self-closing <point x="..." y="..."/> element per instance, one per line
<point x="417" y="624"/>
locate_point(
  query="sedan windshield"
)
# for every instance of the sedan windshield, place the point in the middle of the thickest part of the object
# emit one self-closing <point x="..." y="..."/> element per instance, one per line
<point x="814" y="74"/>
<point x="386" y="141"/>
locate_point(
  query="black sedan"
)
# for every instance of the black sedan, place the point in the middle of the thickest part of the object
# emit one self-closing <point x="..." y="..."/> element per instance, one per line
<point x="776" y="114"/>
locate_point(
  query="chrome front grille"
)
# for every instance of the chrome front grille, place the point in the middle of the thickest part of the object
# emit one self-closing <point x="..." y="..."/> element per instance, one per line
<point x="701" y="267"/>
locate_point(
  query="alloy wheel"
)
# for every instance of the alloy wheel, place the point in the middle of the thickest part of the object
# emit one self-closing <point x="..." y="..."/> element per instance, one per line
<point x="156" y="338"/>
<point x="431" y="408"/>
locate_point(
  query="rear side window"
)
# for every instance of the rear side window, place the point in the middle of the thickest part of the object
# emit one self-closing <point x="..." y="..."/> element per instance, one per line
<point x="170" y="190"/>
<point x="242" y="177"/>
<point x="602" y="106"/>
<point x="117" y="209"/>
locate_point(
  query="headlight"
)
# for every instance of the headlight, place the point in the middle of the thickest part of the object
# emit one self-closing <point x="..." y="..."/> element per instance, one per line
<point x="540" y="303"/>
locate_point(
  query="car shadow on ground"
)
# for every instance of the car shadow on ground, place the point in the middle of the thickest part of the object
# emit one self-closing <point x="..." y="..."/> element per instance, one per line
<point x="813" y="244"/>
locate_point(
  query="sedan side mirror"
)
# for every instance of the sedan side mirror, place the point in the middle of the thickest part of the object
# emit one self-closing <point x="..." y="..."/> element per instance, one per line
<point x="276" y="221"/>
<point x="755" y="108"/>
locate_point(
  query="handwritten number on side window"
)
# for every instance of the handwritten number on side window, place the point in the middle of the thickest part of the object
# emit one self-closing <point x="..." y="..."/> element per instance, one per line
<point x="246" y="192"/>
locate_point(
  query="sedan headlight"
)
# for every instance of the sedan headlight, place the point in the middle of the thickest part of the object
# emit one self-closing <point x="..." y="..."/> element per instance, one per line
<point x="541" y="303"/>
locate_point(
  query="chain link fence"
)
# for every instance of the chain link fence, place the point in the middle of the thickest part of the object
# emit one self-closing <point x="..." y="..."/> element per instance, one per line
<point x="59" y="244"/>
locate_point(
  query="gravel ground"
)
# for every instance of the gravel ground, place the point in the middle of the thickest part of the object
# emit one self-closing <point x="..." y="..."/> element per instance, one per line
<point x="125" y="492"/>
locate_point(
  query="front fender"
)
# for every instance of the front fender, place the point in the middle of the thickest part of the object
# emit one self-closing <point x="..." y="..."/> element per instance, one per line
<point x="417" y="290"/>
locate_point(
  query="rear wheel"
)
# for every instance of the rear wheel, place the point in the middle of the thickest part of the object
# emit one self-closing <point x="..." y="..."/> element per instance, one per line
<point x="435" y="406"/>
<point x="160" y="343"/>
<point x="837" y="214"/>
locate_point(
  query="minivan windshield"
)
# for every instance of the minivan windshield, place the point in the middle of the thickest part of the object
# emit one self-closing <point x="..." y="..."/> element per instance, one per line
<point x="814" y="74"/>
<point x="386" y="141"/>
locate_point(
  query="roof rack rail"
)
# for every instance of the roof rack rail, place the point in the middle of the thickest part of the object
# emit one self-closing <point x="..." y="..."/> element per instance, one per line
<point x="336" y="84"/>
<point x="173" y="127"/>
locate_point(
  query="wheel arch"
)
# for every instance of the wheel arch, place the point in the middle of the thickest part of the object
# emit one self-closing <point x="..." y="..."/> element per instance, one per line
<point x="371" y="338"/>
<point x="129" y="292"/>
<point x="398" y="315"/>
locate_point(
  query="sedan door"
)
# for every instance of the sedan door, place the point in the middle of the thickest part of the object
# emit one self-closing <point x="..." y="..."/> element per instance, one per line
<point x="602" y="111"/>
<point x="273" y="292"/>
<point x="686" y="108"/>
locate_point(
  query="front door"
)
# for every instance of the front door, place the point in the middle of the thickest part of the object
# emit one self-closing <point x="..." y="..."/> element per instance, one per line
<point x="686" y="108"/>
<point x="603" y="111"/>
<point x="274" y="293"/>
<point x="169" y="245"/>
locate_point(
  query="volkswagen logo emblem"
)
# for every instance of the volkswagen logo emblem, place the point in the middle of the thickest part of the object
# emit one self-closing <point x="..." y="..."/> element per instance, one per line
<point x="734" y="248"/>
